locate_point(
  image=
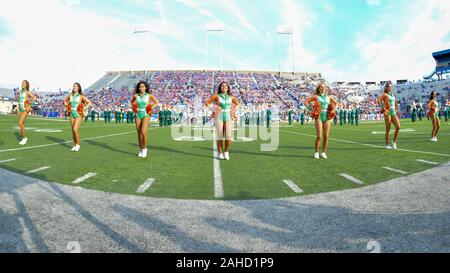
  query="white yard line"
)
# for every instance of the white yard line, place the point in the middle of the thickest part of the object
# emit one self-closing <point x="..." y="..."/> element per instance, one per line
<point x="368" y="145"/>
<point x="147" y="184"/>
<point x="38" y="169"/>
<point x="7" y="160"/>
<point x="351" y="178"/>
<point x="395" y="170"/>
<point x="427" y="162"/>
<point x="292" y="185"/>
<point x="84" y="177"/>
<point x="218" y="187"/>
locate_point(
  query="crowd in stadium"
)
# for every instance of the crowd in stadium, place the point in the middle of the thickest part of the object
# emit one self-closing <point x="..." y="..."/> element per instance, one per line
<point x="255" y="91"/>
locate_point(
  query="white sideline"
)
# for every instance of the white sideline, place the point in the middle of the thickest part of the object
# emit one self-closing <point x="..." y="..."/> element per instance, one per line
<point x="69" y="141"/>
<point x="369" y="145"/>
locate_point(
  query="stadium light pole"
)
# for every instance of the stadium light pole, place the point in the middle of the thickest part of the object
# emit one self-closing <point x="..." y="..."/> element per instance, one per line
<point x="213" y="27"/>
<point x="286" y="31"/>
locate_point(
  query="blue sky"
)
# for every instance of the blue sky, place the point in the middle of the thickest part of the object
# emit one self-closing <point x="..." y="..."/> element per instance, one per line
<point x="78" y="40"/>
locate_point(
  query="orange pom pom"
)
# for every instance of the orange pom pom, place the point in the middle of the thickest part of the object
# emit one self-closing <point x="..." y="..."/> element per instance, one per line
<point x="315" y="110"/>
<point x="149" y="109"/>
<point x="134" y="106"/>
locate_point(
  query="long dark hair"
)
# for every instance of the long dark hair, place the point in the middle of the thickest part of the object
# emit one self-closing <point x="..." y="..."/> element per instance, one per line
<point x="27" y="85"/>
<point x="147" y="87"/>
<point x="386" y="86"/>
<point x="220" y="87"/>
<point x="432" y="95"/>
<point x="79" y="89"/>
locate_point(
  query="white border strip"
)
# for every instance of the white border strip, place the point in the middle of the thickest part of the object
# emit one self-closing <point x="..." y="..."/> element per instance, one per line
<point x="147" y="184"/>
<point x="395" y="170"/>
<point x="292" y="185"/>
<point x="351" y="178"/>
<point x="38" y="169"/>
<point x="84" y="177"/>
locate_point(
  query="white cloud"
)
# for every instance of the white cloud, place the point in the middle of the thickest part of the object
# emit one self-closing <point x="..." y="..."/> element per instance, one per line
<point x="304" y="59"/>
<point x="408" y="54"/>
<point x="374" y="2"/>
<point x="65" y="45"/>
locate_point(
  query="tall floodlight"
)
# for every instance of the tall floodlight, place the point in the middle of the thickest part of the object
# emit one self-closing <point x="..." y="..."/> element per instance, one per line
<point x="213" y="27"/>
<point x="286" y="31"/>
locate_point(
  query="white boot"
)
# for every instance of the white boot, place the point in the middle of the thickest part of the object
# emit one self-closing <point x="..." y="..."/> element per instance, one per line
<point x="140" y="153"/>
<point x="394" y="145"/>
<point x="73" y="148"/>
<point x="76" y="148"/>
<point x="144" y="153"/>
<point x="316" y="156"/>
<point x="227" y="155"/>
<point x="23" y="141"/>
<point x="221" y="157"/>
<point x="324" y="156"/>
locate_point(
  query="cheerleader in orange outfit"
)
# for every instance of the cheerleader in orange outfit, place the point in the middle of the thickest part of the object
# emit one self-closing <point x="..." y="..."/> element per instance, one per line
<point x="223" y="114"/>
<point x="142" y="103"/>
<point x="75" y="104"/>
<point x="24" y="108"/>
<point x="389" y="109"/>
<point x="323" y="111"/>
<point x="433" y="113"/>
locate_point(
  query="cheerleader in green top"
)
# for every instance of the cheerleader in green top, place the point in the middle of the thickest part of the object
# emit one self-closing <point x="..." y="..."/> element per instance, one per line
<point x="24" y="108"/>
<point x="143" y="102"/>
<point x="322" y="111"/>
<point x="224" y="115"/>
<point x="75" y="103"/>
<point x="433" y="110"/>
<point x="389" y="110"/>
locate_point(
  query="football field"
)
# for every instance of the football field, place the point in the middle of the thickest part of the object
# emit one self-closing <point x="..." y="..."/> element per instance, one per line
<point x="185" y="169"/>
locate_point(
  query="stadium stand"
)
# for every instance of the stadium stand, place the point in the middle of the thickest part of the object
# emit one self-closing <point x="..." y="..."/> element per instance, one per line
<point x="255" y="89"/>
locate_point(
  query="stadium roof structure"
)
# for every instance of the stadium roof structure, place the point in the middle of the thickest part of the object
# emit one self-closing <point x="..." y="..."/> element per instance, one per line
<point x="442" y="59"/>
<point x="440" y="53"/>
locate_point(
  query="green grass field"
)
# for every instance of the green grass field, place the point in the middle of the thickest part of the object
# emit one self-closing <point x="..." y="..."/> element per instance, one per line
<point x="185" y="169"/>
